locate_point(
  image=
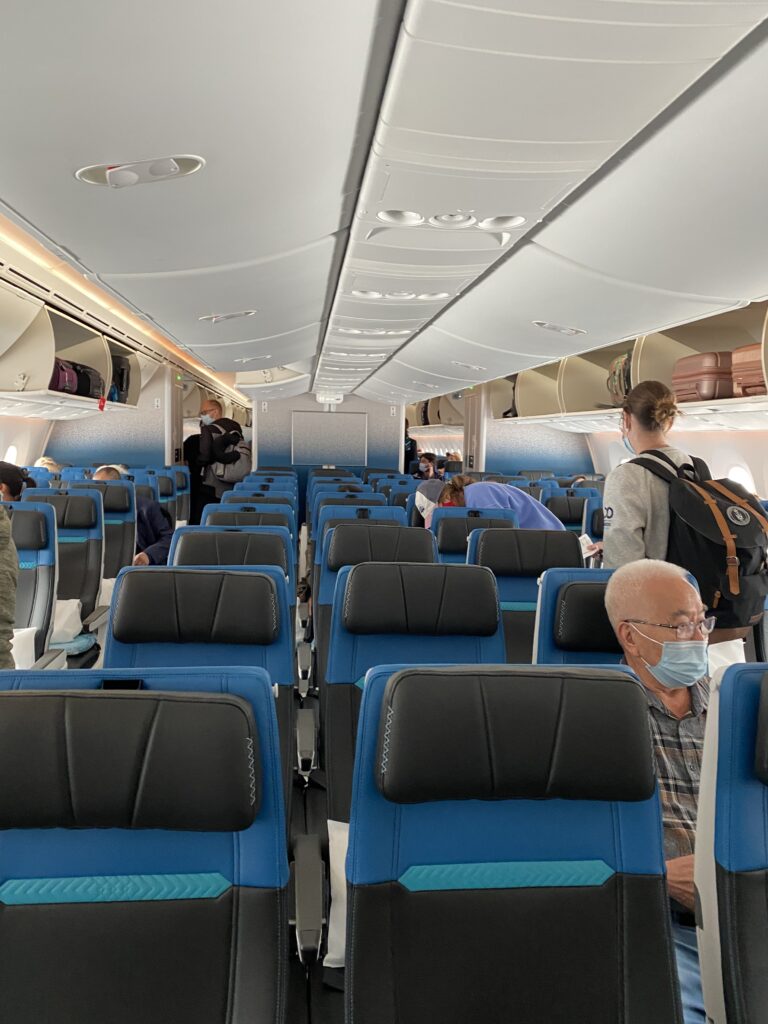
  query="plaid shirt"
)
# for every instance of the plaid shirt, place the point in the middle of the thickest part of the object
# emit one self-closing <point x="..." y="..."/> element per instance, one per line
<point x="678" y="744"/>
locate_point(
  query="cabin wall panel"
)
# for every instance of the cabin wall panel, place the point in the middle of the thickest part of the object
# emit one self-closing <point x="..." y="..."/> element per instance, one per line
<point x="512" y="445"/>
<point x="27" y="435"/>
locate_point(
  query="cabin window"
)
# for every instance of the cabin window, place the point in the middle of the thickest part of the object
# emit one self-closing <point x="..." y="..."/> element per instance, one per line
<point x="11" y="454"/>
<point x="741" y="475"/>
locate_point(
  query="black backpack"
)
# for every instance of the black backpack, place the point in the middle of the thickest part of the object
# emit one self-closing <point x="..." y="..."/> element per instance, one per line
<point x="718" y="531"/>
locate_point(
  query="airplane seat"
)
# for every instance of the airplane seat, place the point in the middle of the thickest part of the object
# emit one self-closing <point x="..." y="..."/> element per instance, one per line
<point x="536" y="474"/>
<point x="141" y="880"/>
<point x="532" y="489"/>
<point x="166" y="491"/>
<point x="506" y="858"/>
<point x="517" y="560"/>
<point x="413" y="516"/>
<point x="183" y="492"/>
<point x="398" y="497"/>
<point x="592" y="522"/>
<point x="119" y="500"/>
<point x="169" y="616"/>
<point x="731" y="868"/>
<point x="568" y="509"/>
<point x="261" y="504"/>
<point x="336" y="499"/>
<point x="437" y="612"/>
<point x="39" y="477"/>
<point x="572" y="626"/>
<point x="336" y="515"/>
<point x="215" y="515"/>
<point x="452" y="528"/>
<point x="69" y="473"/>
<point x="268" y="497"/>
<point x="248" y="546"/>
<point x="33" y="530"/>
<point x="370" y="471"/>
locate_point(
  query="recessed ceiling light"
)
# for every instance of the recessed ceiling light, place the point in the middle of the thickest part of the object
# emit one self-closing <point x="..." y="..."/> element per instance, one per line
<point x="452" y="220"/>
<point x="557" y="328"/>
<point x="423" y="384"/>
<point x="140" y="172"/>
<point x="467" y="366"/>
<point x="404" y="218"/>
<point x="361" y="293"/>
<point x="217" y="318"/>
<point x="249" y="359"/>
<point x="434" y="296"/>
<point x="501" y="223"/>
<point x="401" y="296"/>
<point x="397" y="334"/>
<point x="348" y="330"/>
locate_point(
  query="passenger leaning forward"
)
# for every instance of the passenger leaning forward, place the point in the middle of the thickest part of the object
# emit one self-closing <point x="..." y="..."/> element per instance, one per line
<point x="661" y="624"/>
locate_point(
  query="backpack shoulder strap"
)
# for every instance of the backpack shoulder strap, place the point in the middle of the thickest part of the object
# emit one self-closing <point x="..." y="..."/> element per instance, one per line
<point x="667" y="475"/>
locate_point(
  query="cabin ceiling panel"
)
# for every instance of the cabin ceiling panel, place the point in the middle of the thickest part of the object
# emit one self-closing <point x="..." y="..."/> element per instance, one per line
<point x="634" y="12"/>
<point x="263" y="353"/>
<point x="288" y="291"/>
<point x="687" y="211"/>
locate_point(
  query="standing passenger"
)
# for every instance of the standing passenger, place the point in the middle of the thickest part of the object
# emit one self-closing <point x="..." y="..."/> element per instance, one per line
<point x="531" y="514"/>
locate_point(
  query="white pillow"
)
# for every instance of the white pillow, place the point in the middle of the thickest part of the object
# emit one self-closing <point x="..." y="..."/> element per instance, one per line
<point x="67" y="621"/>
<point x="338" y="841"/>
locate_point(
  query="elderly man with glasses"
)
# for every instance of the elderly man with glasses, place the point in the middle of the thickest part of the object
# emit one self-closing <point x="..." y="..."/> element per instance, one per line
<point x="663" y="629"/>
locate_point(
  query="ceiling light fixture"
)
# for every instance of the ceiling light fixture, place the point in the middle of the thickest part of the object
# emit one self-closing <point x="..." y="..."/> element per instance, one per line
<point x="545" y="325"/>
<point x="348" y="330"/>
<point x="423" y="384"/>
<point x="452" y="220"/>
<point x="364" y="293"/>
<point x="250" y="359"/>
<point x="401" y="218"/>
<point x="468" y="366"/>
<point x="217" y="318"/>
<point x="501" y="223"/>
<point x="140" y="172"/>
<point x="433" y="296"/>
<point x="401" y="296"/>
<point x="397" y="334"/>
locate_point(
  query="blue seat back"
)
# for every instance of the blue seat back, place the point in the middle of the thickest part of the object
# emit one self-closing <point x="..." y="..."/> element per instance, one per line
<point x="351" y="513"/>
<point x="452" y="527"/>
<point x="592" y="522"/>
<point x="33" y="529"/>
<point x="242" y="505"/>
<point x="165" y="616"/>
<point x="80" y="542"/>
<point x="219" y="550"/>
<point x="39" y="477"/>
<point x="517" y="561"/>
<point x="147" y="484"/>
<point x="173" y="839"/>
<point x="119" y="502"/>
<point x="77" y="472"/>
<point x="572" y="626"/>
<point x="461" y="811"/>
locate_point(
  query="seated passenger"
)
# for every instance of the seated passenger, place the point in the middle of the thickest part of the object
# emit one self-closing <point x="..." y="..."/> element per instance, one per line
<point x="659" y="620"/>
<point x="154" y="530"/>
<point x="46" y="462"/>
<point x="531" y="514"/>
<point x="428" y="469"/>
<point x="13" y="480"/>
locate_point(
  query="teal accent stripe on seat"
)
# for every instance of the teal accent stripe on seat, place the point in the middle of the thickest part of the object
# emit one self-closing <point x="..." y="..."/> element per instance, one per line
<point x="113" y="522"/>
<point x="72" y="540"/>
<point x="360" y="683"/>
<point x="505" y="875"/>
<point x="518" y="606"/>
<point x="27" y="565"/>
<point x="111" y="889"/>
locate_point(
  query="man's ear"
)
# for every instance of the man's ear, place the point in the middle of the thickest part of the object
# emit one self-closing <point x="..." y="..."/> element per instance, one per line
<point x="626" y="635"/>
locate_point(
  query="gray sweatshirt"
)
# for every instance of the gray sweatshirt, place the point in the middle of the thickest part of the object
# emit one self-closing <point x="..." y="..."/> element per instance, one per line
<point x="636" y="511"/>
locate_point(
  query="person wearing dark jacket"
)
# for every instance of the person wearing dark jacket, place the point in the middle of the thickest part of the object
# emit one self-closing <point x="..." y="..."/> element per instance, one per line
<point x="217" y="433"/>
<point x="154" y="530"/>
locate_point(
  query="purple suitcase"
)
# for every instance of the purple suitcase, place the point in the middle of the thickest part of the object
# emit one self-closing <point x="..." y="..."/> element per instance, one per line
<point x="64" y="377"/>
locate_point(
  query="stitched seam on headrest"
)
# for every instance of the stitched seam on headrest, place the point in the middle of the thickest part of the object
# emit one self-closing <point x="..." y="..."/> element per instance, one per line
<point x="387" y="737"/>
<point x="251" y="770"/>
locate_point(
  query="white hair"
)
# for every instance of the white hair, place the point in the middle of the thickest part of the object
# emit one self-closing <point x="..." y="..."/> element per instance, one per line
<point x="625" y="586"/>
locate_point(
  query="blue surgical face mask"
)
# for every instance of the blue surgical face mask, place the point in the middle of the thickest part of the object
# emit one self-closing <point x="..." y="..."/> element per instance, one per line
<point x="206" y="420"/>
<point x="628" y="444"/>
<point x="423" y="466"/>
<point x="682" y="662"/>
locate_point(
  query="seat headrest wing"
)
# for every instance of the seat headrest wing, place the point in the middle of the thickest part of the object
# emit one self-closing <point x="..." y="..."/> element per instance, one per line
<point x="528" y="552"/>
<point x="73" y="511"/>
<point x="28" y="529"/>
<point x="761" y="738"/>
<point x="353" y="543"/>
<point x="102" y="759"/>
<point x="184" y="607"/>
<point x="428" y="600"/>
<point x="471" y="733"/>
<point x="581" y="621"/>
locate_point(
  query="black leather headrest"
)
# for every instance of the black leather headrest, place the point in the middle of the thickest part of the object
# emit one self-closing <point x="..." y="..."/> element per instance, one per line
<point x="241" y="518"/>
<point x="214" y="547"/>
<point x="73" y="511"/>
<point x="181" y="480"/>
<point x="451" y="466"/>
<point x="353" y="543"/>
<point x="179" y="606"/>
<point x="350" y="499"/>
<point x="28" y="529"/>
<point x="116" y="498"/>
<point x="401" y="499"/>
<point x="429" y="600"/>
<point x="263" y="499"/>
<point x="581" y="621"/>
<point x="567" y="508"/>
<point x="598" y="523"/>
<point x="85" y="760"/>
<point x="528" y="552"/>
<point x="164" y="486"/>
<point x="362" y="516"/>
<point x="145" y="491"/>
<point x="474" y="733"/>
<point x="353" y="488"/>
<point x="332" y="472"/>
<point x="453" y="531"/>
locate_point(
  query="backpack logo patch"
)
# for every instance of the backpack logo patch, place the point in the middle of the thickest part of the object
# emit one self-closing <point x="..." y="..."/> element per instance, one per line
<point x="738" y="515"/>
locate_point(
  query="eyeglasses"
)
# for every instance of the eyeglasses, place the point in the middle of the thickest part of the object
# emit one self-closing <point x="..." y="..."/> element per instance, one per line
<point x="684" y="630"/>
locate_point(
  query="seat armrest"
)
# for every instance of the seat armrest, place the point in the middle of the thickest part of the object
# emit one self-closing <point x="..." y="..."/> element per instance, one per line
<point x="51" y="660"/>
<point x="306" y="741"/>
<point x="96" y="619"/>
<point x="309" y="895"/>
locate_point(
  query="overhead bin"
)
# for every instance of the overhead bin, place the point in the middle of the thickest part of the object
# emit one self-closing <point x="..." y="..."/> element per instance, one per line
<point x="537" y="393"/>
<point x="27" y="361"/>
<point x="583" y="379"/>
